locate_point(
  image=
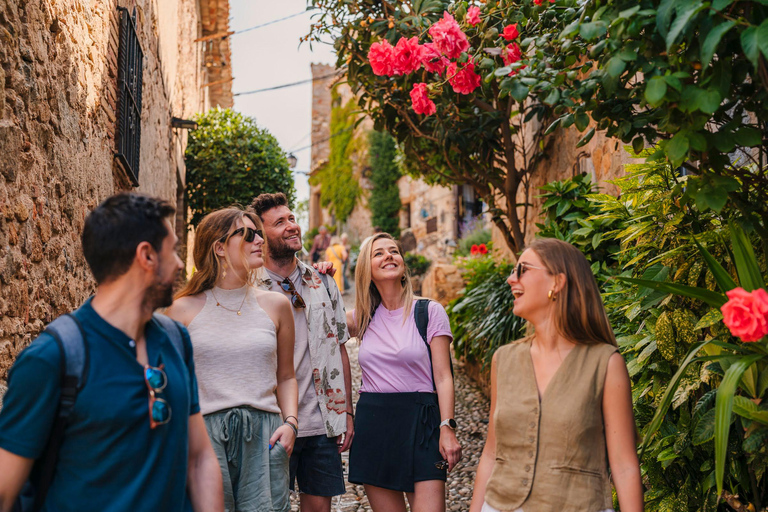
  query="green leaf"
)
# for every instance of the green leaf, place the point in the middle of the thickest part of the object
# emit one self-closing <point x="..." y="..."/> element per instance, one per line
<point x="719" y="5"/>
<point x="593" y="30"/>
<point x="750" y="45"/>
<point x="552" y="127"/>
<point x="655" y="90"/>
<point x="615" y="66"/>
<point x="553" y="97"/>
<point x="638" y="144"/>
<point x="586" y="138"/>
<point x="712" y="40"/>
<point x="714" y="299"/>
<point x="677" y="148"/>
<point x="711" y="318"/>
<point x="755" y="441"/>
<point x="666" y="400"/>
<point x="723" y="412"/>
<point x="519" y="91"/>
<point x="684" y="14"/>
<point x="582" y="121"/>
<point x="748" y="136"/>
<point x="709" y="101"/>
<point x="723" y="279"/>
<point x="750" y="277"/>
<point x="705" y="428"/>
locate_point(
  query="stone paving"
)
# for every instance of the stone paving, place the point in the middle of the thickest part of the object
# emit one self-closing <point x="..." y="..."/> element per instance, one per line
<point x="472" y="416"/>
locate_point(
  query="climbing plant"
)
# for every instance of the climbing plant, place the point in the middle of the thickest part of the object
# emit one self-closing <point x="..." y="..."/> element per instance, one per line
<point x="340" y="187"/>
<point x="230" y="160"/>
<point x="384" y="200"/>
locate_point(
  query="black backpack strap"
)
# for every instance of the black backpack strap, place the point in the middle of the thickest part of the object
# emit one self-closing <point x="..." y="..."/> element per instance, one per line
<point x="421" y="317"/>
<point x="68" y="335"/>
<point x="173" y="330"/>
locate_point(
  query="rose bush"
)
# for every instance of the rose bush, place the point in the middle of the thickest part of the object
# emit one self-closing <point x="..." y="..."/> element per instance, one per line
<point x="746" y="314"/>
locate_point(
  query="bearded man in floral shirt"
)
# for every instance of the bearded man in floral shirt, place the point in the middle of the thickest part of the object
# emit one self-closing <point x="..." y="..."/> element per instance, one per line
<point x="326" y="425"/>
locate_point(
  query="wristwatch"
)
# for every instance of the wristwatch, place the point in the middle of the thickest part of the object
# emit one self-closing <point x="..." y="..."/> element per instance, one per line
<point x="450" y="423"/>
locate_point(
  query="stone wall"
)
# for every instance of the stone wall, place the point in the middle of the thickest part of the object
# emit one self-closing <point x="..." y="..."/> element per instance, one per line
<point x="58" y="93"/>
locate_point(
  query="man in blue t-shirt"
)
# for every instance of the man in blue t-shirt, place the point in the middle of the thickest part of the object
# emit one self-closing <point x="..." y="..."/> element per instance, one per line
<point x="116" y="455"/>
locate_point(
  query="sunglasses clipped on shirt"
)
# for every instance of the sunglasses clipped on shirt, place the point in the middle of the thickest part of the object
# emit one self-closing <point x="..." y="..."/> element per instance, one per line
<point x="159" y="410"/>
<point x="521" y="268"/>
<point x="249" y="235"/>
<point x="296" y="299"/>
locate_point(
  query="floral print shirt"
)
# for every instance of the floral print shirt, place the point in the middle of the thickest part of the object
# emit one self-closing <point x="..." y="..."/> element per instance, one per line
<point x="327" y="330"/>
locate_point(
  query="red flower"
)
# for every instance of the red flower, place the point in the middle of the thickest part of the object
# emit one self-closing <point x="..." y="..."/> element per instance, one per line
<point x="473" y="15"/>
<point x="463" y="80"/>
<point x="482" y="249"/>
<point x="448" y="37"/>
<point x="474" y="249"/>
<point x="407" y="56"/>
<point x="433" y="60"/>
<point x="381" y="57"/>
<point x="511" y="32"/>
<point x="746" y="314"/>
<point x="420" y="100"/>
<point x="539" y="2"/>
<point x="510" y="55"/>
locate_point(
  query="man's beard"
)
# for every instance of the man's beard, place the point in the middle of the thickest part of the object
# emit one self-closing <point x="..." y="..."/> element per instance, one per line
<point x="279" y="251"/>
<point x="159" y="295"/>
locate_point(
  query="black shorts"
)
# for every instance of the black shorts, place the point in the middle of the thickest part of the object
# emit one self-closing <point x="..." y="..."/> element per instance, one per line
<point x="397" y="440"/>
<point x="316" y="464"/>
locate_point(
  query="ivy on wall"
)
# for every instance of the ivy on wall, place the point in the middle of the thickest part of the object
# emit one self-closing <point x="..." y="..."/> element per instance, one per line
<point x="385" y="196"/>
<point x="340" y="188"/>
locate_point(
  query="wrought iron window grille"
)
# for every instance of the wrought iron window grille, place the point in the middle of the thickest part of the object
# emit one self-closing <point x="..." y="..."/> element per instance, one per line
<point x="130" y="64"/>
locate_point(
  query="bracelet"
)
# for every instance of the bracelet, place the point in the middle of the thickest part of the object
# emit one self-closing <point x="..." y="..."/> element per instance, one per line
<point x="294" y="417"/>
<point x="351" y="414"/>
<point x="293" y="427"/>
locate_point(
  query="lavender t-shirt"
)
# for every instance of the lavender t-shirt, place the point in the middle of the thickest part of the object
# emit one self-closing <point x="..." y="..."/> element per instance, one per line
<point x="392" y="355"/>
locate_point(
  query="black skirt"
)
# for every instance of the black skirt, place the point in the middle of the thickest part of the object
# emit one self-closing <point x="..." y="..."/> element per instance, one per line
<point x="397" y="440"/>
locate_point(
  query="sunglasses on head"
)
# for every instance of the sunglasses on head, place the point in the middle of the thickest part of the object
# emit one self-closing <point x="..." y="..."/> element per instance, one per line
<point x="296" y="299"/>
<point x="522" y="267"/>
<point x="159" y="410"/>
<point x="249" y="235"/>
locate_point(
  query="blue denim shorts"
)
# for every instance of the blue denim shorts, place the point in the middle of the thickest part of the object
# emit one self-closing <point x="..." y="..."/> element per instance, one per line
<point x="316" y="465"/>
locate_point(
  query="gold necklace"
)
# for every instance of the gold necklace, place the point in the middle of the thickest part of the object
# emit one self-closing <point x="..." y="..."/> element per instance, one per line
<point x="238" y="311"/>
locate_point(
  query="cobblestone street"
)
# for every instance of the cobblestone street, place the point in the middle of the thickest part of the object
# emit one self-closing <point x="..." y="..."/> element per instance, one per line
<point x="471" y="415"/>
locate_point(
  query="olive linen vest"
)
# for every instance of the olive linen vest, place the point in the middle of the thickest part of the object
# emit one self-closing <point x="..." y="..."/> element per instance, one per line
<point x="551" y="454"/>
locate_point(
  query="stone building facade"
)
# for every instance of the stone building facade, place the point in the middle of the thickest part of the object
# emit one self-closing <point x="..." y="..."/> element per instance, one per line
<point x="60" y="100"/>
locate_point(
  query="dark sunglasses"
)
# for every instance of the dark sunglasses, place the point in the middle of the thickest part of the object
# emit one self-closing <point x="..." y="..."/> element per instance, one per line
<point x="521" y="268"/>
<point x="287" y="286"/>
<point x="159" y="410"/>
<point x="441" y="464"/>
<point x="249" y="235"/>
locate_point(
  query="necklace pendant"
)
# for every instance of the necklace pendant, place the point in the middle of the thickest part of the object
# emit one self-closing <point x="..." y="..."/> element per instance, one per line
<point x="238" y="313"/>
<point x="219" y="305"/>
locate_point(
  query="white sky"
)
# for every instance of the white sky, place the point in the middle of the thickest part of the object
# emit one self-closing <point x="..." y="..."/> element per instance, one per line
<point x="271" y="56"/>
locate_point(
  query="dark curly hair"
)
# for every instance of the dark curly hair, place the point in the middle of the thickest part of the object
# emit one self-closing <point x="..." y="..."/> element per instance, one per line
<point x="265" y="202"/>
<point x="117" y="226"/>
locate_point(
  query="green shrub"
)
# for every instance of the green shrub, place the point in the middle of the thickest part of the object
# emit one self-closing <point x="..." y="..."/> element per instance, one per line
<point x="476" y="235"/>
<point x="416" y="263"/>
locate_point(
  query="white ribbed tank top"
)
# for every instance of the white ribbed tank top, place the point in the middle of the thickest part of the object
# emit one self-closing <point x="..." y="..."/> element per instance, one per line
<point x="235" y="355"/>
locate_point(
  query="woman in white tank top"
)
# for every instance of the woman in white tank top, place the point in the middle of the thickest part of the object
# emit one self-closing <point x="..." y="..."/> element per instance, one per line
<point x="243" y="351"/>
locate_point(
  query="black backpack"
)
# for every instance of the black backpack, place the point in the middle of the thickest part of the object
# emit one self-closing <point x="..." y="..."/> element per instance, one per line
<point x="70" y="338"/>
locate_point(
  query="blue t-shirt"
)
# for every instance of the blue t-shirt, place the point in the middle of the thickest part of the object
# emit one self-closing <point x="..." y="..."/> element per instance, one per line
<point x="110" y="460"/>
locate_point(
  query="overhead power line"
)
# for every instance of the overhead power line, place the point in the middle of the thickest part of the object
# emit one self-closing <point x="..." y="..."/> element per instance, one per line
<point x="321" y="141"/>
<point x="292" y="84"/>
<point x="242" y="31"/>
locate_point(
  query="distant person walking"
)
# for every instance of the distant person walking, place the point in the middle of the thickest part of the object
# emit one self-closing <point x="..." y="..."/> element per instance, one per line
<point x="337" y="255"/>
<point x="320" y="243"/>
<point x="561" y="404"/>
<point x="243" y="339"/>
<point x="135" y="438"/>
<point x="405" y="431"/>
<point x="320" y="357"/>
<point x="345" y="267"/>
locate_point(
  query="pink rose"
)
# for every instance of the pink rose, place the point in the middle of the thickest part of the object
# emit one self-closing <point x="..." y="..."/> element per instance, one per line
<point x="420" y="100"/>
<point x="464" y="80"/>
<point x="473" y="15"/>
<point x="511" y="32"/>
<point x="407" y="56"/>
<point x="448" y="37"/>
<point x="381" y="57"/>
<point x="432" y="59"/>
<point x="746" y="314"/>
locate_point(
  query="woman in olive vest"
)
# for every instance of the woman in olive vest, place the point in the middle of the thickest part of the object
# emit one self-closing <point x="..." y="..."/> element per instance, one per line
<point x="561" y="406"/>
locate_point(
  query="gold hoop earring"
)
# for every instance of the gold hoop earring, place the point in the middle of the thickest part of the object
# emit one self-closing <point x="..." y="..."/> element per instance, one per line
<point x="552" y="295"/>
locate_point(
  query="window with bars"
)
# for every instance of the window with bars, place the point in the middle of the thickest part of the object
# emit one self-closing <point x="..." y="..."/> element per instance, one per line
<point x="130" y="64"/>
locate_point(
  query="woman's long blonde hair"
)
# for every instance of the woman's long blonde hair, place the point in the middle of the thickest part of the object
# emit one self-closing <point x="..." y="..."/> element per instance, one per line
<point x="215" y="226"/>
<point x="579" y="312"/>
<point x="366" y="303"/>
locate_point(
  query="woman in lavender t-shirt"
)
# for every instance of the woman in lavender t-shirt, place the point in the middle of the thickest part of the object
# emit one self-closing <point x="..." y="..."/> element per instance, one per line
<point x="404" y="429"/>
